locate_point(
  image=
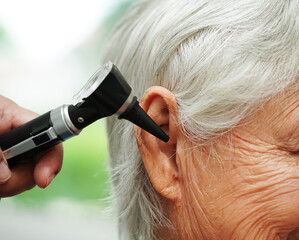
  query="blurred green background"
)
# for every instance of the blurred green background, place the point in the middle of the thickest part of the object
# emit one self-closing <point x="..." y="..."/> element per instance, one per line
<point x="84" y="175"/>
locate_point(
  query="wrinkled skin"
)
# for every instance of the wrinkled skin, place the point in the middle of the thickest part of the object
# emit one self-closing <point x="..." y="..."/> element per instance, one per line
<point x="244" y="185"/>
<point x="253" y="191"/>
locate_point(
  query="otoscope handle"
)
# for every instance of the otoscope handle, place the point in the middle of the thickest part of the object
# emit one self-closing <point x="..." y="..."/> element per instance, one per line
<point x="21" y="133"/>
<point x="40" y="133"/>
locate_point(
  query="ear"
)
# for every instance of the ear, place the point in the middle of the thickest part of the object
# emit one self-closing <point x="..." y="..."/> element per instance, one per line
<point x="159" y="158"/>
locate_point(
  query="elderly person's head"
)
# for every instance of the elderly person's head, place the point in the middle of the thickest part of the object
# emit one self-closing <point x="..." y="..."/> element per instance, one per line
<point x="221" y="78"/>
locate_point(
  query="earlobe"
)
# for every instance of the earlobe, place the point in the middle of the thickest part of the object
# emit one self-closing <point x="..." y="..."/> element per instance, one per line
<point x="159" y="158"/>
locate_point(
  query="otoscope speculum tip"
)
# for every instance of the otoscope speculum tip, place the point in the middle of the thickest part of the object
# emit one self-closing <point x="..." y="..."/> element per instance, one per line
<point x="139" y="117"/>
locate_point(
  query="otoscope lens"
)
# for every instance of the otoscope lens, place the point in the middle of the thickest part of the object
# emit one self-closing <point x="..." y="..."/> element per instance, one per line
<point x="96" y="79"/>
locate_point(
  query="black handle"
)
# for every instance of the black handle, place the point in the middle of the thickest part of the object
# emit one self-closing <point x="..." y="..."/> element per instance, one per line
<point x="25" y="131"/>
<point x="30" y="154"/>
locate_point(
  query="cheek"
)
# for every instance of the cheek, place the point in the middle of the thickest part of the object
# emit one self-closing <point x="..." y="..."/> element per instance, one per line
<point x="289" y="200"/>
<point x="268" y="189"/>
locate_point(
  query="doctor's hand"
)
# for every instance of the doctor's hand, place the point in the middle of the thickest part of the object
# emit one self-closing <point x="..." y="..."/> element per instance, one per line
<point x="40" y="170"/>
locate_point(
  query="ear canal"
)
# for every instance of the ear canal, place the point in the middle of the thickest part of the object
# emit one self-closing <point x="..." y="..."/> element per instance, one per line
<point x="136" y="115"/>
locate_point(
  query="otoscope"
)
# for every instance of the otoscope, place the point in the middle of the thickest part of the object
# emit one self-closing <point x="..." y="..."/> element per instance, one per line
<point x="105" y="94"/>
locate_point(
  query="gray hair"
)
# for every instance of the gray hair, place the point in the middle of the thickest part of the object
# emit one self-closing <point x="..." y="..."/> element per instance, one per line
<point x="220" y="58"/>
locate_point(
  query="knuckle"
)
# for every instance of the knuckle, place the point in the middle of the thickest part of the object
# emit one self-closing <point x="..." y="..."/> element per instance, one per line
<point x="7" y="111"/>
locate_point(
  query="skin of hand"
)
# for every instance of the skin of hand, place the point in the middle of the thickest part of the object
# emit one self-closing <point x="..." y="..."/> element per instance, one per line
<point x="244" y="185"/>
<point x="40" y="170"/>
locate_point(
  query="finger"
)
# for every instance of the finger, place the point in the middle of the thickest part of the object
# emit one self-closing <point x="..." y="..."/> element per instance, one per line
<point x="5" y="173"/>
<point x="12" y="115"/>
<point x="48" y="166"/>
<point x="21" y="179"/>
<point x="21" y="116"/>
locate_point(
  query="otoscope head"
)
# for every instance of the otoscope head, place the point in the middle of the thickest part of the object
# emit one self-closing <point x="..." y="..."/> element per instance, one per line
<point x="107" y="93"/>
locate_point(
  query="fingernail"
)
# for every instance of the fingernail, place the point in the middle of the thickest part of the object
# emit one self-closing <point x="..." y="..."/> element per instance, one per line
<point x="50" y="179"/>
<point x="5" y="173"/>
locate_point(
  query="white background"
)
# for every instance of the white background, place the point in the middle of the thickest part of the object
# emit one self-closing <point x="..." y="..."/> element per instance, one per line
<point x="38" y="71"/>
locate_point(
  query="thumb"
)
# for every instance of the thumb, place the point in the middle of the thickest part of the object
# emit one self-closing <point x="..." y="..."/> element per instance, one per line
<point x="5" y="173"/>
